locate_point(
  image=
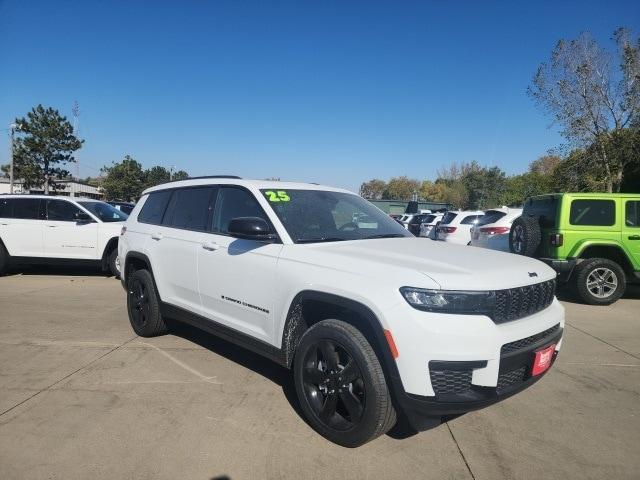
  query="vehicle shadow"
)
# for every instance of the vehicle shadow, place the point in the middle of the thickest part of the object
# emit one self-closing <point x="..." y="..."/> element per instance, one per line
<point x="267" y="368"/>
<point x="63" y="270"/>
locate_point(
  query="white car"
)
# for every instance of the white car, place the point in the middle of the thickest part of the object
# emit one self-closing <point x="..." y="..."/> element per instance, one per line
<point x="38" y="229"/>
<point x="455" y="226"/>
<point x="427" y="227"/>
<point x="406" y="219"/>
<point x="369" y="318"/>
<point x="492" y="231"/>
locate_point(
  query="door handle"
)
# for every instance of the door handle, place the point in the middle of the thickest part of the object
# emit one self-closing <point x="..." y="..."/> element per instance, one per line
<point x="52" y="226"/>
<point x="634" y="237"/>
<point x="156" y="236"/>
<point x="210" y="246"/>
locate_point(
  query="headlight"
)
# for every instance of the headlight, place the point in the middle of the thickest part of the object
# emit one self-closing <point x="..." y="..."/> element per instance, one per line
<point x="450" y="301"/>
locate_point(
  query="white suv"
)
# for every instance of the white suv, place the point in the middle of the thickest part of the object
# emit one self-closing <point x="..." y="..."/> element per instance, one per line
<point x="38" y="229"/>
<point x="371" y="320"/>
<point x="455" y="226"/>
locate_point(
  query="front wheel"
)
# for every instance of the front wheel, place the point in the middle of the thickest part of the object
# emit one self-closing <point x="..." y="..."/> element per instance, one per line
<point x="143" y="305"/>
<point x="599" y="281"/>
<point x="340" y="384"/>
<point x="114" y="263"/>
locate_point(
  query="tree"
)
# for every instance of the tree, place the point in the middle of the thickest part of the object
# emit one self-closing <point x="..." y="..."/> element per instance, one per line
<point x="179" y="175"/>
<point x="124" y="181"/>
<point x="46" y="143"/>
<point x="519" y="187"/>
<point x="155" y="176"/>
<point x="589" y="98"/>
<point x="544" y="165"/>
<point x="373" y="189"/>
<point x="401" y="188"/>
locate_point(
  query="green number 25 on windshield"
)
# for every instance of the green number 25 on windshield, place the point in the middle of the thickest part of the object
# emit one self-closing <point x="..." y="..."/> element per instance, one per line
<point x="279" y="196"/>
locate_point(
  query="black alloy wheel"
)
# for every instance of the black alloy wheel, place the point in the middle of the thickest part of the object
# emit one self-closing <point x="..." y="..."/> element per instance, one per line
<point x="139" y="308"/>
<point x="143" y="305"/>
<point x="333" y="385"/>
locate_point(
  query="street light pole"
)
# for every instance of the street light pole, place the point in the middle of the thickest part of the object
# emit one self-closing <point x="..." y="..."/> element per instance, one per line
<point x="12" y="129"/>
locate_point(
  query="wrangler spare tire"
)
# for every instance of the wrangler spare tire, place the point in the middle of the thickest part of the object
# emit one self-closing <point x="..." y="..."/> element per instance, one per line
<point x="524" y="237"/>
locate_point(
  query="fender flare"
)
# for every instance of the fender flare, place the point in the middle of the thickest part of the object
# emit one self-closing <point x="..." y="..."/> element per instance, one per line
<point x="111" y="244"/>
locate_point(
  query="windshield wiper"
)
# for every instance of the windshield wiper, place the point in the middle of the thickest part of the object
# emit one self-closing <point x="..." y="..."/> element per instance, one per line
<point x="322" y="239"/>
<point x="386" y="235"/>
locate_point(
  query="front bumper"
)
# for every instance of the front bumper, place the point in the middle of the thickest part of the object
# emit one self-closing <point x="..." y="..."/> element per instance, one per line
<point x="485" y="361"/>
<point x="514" y="376"/>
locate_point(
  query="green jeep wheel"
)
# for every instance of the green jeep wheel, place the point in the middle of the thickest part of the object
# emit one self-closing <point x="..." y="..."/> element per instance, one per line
<point x="599" y="281"/>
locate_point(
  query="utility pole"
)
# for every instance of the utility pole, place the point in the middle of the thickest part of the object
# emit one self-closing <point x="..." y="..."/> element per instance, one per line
<point x="171" y="172"/>
<point x="76" y="120"/>
<point x="12" y="128"/>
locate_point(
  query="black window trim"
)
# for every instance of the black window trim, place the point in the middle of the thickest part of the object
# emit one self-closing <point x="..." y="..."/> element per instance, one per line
<point x="44" y="210"/>
<point x="209" y="228"/>
<point x="627" y="203"/>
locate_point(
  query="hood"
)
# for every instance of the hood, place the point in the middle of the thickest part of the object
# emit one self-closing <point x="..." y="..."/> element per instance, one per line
<point x="406" y="260"/>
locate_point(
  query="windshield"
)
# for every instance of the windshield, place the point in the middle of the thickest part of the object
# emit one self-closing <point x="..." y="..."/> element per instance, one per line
<point x="105" y="212"/>
<point x="320" y="216"/>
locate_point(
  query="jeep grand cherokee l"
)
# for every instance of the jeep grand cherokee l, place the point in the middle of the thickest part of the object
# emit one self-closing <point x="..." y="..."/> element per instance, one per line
<point x="372" y="321"/>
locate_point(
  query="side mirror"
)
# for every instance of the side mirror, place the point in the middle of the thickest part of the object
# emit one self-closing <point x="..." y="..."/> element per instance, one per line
<point x="251" y="228"/>
<point x="81" y="217"/>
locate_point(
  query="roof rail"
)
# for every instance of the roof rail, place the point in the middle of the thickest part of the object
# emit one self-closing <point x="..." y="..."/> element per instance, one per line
<point x="215" y="176"/>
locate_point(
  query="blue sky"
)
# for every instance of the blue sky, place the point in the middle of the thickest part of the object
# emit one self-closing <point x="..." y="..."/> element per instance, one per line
<point x="330" y="92"/>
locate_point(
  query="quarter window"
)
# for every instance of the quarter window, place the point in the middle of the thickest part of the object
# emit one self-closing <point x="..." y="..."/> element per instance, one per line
<point x="61" y="211"/>
<point x="189" y="208"/>
<point x="470" y="220"/>
<point x="233" y="203"/>
<point x="600" y="213"/>
<point x="26" y="208"/>
<point x="154" y="207"/>
<point x="632" y="214"/>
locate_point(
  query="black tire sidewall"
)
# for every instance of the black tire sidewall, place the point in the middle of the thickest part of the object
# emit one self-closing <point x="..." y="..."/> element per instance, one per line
<point x="4" y="260"/>
<point x="155" y="325"/>
<point x="113" y="256"/>
<point x="584" y="268"/>
<point x="531" y="235"/>
<point x="365" y="430"/>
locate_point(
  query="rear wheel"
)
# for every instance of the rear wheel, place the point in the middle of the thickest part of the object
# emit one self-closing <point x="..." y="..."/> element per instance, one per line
<point x="599" y="281"/>
<point x="114" y="263"/>
<point x="143" y="305"/>
<point x="4" y="259"/>
<point x="340" y="384"/>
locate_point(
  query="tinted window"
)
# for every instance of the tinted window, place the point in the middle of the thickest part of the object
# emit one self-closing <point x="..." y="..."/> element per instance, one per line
<point x="6" y="208"/>
<point x="428" y="219"/>
<point x="632" y="214"/>
<point x="491" y="216"/>
<point x="26" y="208"/>
<point x="593" y="212"/>
<point x="546" y="208"/>
<point x="233" y="203"/>
<point x="153" y="209"/>
<point x="61" y="211"/>
<point x="189" y="208"/>
<point x="470" y="219"/>
<point x="448" y="217"/>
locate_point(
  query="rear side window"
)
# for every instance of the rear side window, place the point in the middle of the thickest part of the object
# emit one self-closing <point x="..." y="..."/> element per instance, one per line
<point x="6" y="208"/>
<point x="470" y="220"/>
<point x="600" y="213"/>
<point x="632" y="214"/>
<point x="26" y="208"/>
<point x="61" y="211"/>
<point x="189" y="208"/>
<point x="153" y="209"/>
<point x="449" y="217"/>
<point x="428" y="219"/>
<point x="233" y="203"/>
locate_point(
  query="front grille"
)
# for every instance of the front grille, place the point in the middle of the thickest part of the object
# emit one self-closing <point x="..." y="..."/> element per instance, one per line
<point x="450" y="381"/>
<point x="515" y="303"/>
<point x="508" y="379"/>
<point x="525" y="342"/>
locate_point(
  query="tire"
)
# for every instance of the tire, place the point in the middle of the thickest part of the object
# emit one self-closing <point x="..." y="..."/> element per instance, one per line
<point x="143" y="306"/>
<point x="114" y="263"/>
<point x="348" y="411"/>
<point x="599" y="281"/>
<point x="524" y="237"/>
<point x="4" y="260"/>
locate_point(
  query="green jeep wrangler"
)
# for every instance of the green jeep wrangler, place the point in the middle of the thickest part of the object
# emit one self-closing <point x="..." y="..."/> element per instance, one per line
<point x="591" y="239"/>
